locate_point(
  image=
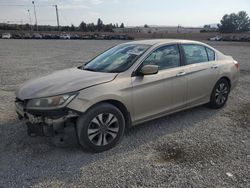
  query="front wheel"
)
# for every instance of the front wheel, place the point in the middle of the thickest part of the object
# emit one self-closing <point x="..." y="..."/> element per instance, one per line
<point x="220" y="94"/>
<point x="100" y="128"/>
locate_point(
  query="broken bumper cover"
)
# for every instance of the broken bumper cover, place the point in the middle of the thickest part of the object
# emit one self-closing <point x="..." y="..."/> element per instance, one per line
<point x="43" y="122"/>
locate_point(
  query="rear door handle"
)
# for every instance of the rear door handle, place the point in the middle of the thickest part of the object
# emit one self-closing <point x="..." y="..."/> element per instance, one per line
<point x="181" y="74"/>
<point x="214" y="67"/>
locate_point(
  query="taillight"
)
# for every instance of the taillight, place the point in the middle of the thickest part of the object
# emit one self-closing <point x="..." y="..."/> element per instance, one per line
<point x="237" y="65"/>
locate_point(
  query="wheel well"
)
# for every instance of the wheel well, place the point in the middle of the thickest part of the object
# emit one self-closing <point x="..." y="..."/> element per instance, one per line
<point x="123" y="109"/>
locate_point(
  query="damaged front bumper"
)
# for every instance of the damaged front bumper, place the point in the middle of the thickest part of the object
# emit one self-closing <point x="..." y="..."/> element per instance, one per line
<point x="44" y="122"/>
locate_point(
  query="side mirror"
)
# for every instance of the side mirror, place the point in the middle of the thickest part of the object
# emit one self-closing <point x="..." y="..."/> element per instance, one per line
<point x="149" y="69"/>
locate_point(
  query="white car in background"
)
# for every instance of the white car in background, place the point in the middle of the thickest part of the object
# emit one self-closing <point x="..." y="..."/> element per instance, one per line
<point x="6" y="36"/>
<point x="65" y="36"/>
<point x="216" y="38"/>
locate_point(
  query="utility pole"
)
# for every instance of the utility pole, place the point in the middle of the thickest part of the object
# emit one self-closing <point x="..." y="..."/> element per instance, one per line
<point x="33" y="2"/>
<point x="57" y="17"/>
<point x="30" y="20"/>
<point x="178" y="28"/>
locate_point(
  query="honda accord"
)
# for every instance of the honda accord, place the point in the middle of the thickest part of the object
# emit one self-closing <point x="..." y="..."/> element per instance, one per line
<point x="126" y="85"/>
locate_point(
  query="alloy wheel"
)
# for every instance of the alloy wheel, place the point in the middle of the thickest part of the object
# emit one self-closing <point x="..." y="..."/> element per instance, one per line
<point x="103" y="129"/>
<point x="221" y="93"/>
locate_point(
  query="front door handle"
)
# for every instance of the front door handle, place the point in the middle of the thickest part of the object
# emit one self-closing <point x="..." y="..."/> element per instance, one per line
<point x="181" y="74"/>
<point x="214" y="67"/>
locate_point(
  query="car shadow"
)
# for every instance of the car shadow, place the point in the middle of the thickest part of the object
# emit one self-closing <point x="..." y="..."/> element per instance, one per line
<point x="44" y="153"/>
<point x="144" y="132"/>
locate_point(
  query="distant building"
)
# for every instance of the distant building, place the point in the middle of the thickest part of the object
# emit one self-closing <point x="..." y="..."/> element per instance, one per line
<point x="158" y="30"/>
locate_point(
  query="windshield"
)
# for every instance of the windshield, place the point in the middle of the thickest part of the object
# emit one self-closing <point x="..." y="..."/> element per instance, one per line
<point x="117" y="59"/>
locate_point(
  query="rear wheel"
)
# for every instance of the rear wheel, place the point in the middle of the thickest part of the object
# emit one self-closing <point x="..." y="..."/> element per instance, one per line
<point x="100" y="128"/>
<point x="220" y="94"/>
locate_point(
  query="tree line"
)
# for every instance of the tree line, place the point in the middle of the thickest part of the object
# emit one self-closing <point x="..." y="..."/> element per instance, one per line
<point x="85" y="27"/>
<point x="100" y="26"/>
<point x="232" y="23"/>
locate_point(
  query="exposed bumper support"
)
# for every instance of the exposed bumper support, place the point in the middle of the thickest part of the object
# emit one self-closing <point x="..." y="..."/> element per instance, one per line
<point x="40" y="123"/>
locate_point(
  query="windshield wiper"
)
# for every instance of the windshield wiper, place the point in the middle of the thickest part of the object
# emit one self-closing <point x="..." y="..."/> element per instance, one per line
<point x="88" y="69"/>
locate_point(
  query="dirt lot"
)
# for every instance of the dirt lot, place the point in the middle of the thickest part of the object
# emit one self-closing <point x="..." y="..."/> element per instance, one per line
<point x="195" y="148"/>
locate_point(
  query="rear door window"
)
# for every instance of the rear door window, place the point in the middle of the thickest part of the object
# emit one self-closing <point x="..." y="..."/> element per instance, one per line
<point x="211" y="54"/>
<point x="195" y="53"/>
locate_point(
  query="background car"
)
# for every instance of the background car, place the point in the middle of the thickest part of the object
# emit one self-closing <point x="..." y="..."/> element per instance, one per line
<point x="37" y="36"/>
<point x="6" y="36"/>
<point x="216" y="38"/>
<point x="47" y="36"/>
<point x="16" y="36"/>
<point x="27" y="36"/>
<point x="65" y="36"/>
<point x="87" y="37"/>
<point x="74" y="37"/>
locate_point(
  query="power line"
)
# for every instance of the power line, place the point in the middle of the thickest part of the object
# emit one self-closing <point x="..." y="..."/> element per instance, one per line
<point x="16" y="21"/>
<point x="12" y="5"/>
<point x="35" y="14"/>
<point x="3" y="19"/>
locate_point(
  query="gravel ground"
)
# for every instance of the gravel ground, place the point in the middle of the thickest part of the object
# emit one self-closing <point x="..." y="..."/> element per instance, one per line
<point x="195" y="148"/>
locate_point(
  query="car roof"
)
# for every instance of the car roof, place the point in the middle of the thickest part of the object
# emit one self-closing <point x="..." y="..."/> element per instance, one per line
<point x="162" y="41"/>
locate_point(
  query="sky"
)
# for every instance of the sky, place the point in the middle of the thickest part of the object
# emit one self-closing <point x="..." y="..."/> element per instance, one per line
<point x="194" y="13"/>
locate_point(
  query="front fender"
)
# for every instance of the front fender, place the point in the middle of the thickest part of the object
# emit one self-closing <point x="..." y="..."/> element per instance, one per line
<point x="120" y="91"/>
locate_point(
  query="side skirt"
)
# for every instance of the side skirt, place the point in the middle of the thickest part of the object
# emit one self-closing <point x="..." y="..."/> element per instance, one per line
<point x="167" y="113"/>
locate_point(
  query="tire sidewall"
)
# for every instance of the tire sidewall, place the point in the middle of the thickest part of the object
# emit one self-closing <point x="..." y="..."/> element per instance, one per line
<point x="84" y="121"/>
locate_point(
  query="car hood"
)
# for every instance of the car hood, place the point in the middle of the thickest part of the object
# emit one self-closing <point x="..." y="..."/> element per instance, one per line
<point x="61" y="82"/>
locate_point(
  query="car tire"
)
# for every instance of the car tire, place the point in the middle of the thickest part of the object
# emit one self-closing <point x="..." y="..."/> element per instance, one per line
<point x="219" y="94"/>
<point x="100" y="128"/>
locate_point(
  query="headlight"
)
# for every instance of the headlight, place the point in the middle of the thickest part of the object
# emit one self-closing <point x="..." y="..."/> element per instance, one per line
<point x="51" y="102"/>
